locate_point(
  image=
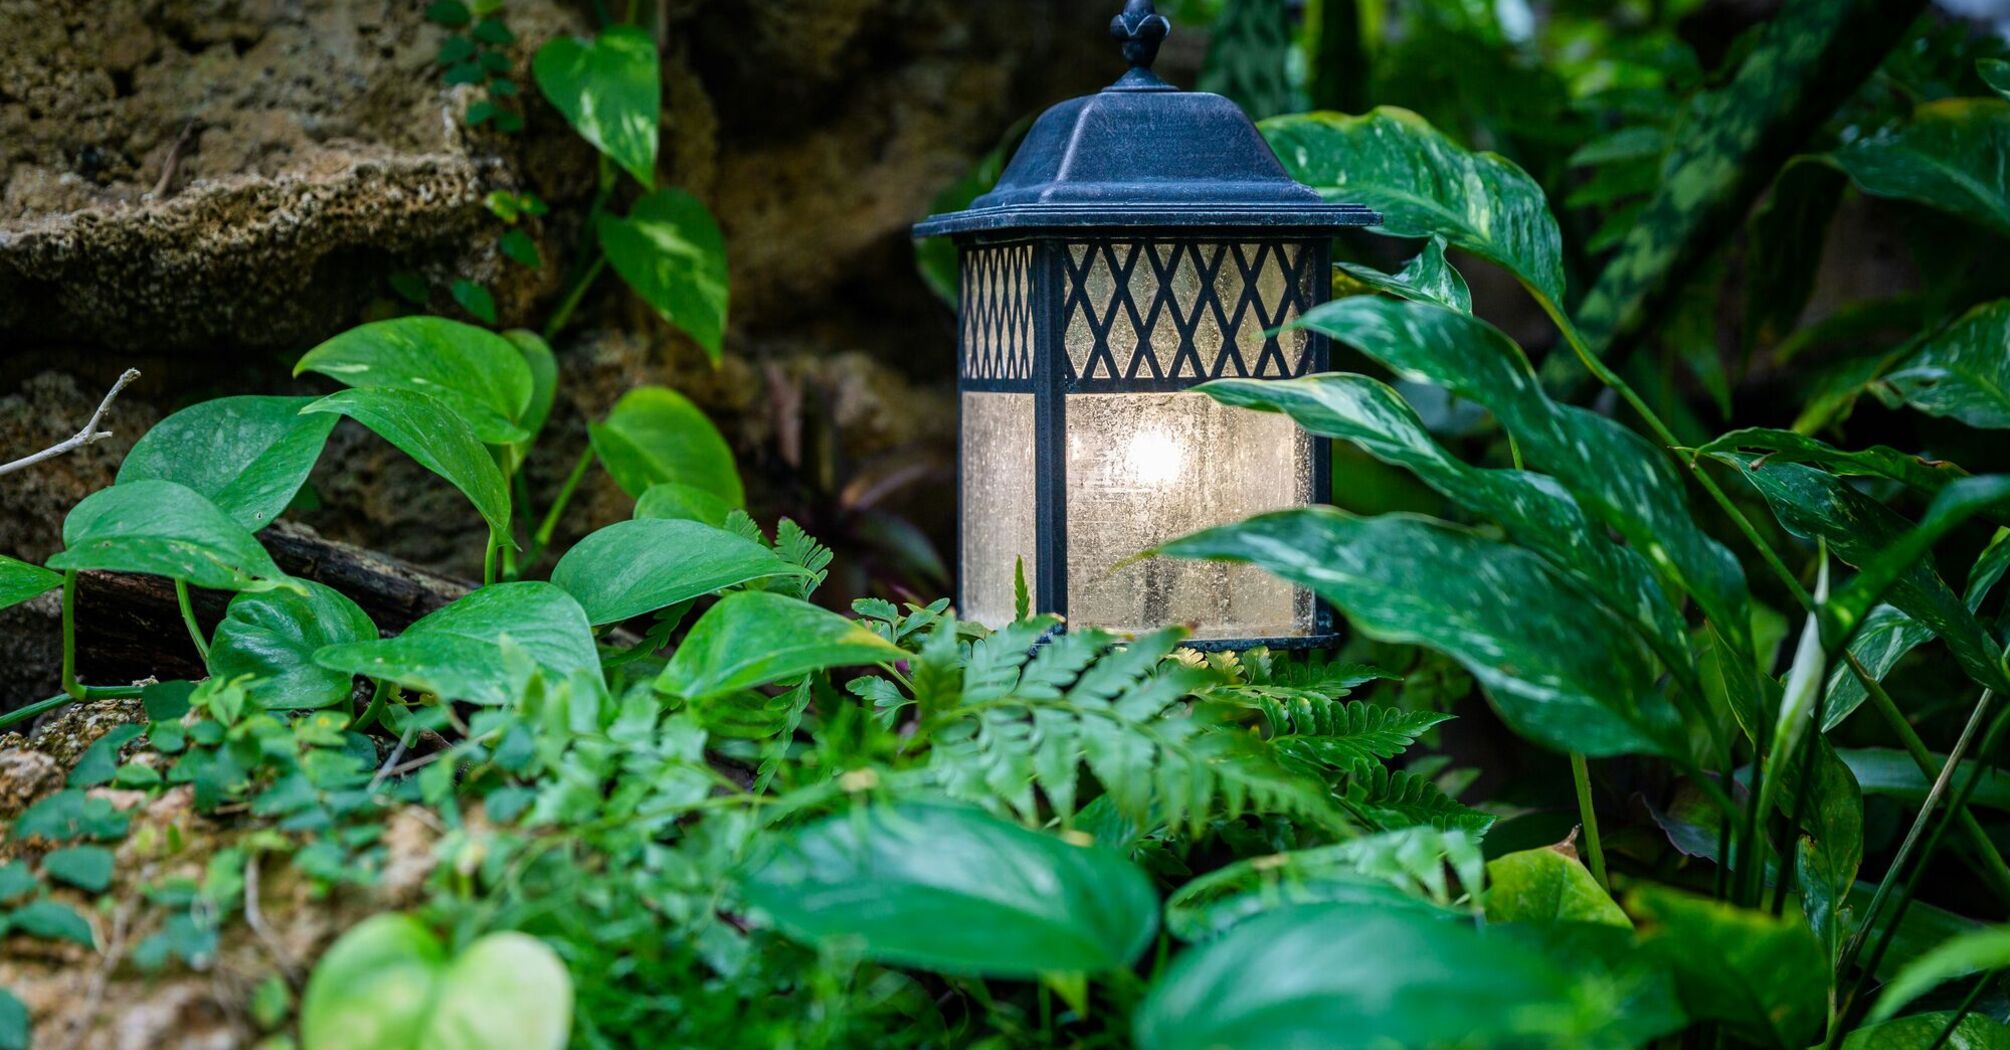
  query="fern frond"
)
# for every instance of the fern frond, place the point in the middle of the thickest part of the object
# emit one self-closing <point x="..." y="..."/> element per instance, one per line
<point x="799" y="548"/>
<point x="1341" y="734"/>
<point x="1400" y="799"/>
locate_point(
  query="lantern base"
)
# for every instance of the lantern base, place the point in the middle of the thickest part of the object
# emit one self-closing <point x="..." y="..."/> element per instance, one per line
<point x="1299" y="642"/>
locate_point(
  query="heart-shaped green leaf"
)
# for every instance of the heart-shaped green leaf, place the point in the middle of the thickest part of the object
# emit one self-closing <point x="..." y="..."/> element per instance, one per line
<point x="389" y="984"/>
<point x="273" y="637"/>
<point x="1345" y="975"/>
<point x="249" y="455"/>
<point x="477" y="373"/>
<point x="671" y="252"/>
<point x="1393" y="161"/>
<point x="1962" y="371"/>
<point x="1559" y="667"/>
<point x="688" y="502"/>
<point x="1760" y="975"/>
<point x="433" y="434"/>
<point x="20" y="581"/>
<point x="456" y="652"/>
<point x="1543" y="885"/>
<point x="956" y="890"/>
<point x="756" y="637"/>
<point x="645" y="564"/>
<point x="655" y="435"/>
<point x="610" y="90"/>
<point x="1949" y="156"/>
<point x="164" y="529"/>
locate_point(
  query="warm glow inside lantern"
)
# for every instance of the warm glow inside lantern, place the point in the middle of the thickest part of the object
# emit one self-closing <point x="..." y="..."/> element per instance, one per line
<point x="1142" y="241"/>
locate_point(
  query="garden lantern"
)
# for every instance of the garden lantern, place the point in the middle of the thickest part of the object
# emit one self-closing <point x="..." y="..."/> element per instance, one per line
<point x="1143" y="240"/>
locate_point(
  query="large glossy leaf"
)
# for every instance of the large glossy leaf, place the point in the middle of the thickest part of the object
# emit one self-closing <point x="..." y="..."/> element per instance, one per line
<point x="1892" y="772"/>
<point x="164" y="529"/>
<point x="249" y="455"/>
<point x="1544" y="885"/>
<point x="1982" y="950"/>
<point x="273" y="636"/>
<point x="655" y="435"/>
<point x="435" y="436"/>
<point x="477" y="373"/>
<point x="1395" y="162"/>
<point x="644" y="564"/>
<point x="1809" y="56"/>
<point x="1764" y="977"/>
<point x="1613" y="472"/>
<point x="20" y="581"/>
<point x="1949" y="156"/>
<point x="1922" y="1032"/>
<point x="754" y="638"/>
<point x="1962" y="371"/>
<point x="1558" y="666"/>
<point x="1878" y="461"/>
<point x="1393" y="869"/>
<point x="1536" y="512"/>
<point x="1887" y="634"/>
<point x="956" y="890"/>
<point x="610" y="90"/>
<point x="1427" y="277"/>
<point x="671" y="500"/>
<point x="456" y="652"/>
<point x="389" y="984"/>
<point x="1814" y="504"/>
<point x="1348" y="977"/>
<point x="669" y="249"/>
<point x="543" y="365"/>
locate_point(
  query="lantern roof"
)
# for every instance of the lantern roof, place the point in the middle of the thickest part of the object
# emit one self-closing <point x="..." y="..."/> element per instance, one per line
<point x="1142" y="153"/>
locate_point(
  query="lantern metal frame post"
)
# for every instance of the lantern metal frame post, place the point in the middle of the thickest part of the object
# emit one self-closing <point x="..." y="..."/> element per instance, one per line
<point x="1142" y="168"/>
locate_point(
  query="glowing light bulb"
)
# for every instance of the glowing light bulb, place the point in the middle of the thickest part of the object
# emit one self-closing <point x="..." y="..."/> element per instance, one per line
<point x="1154" y="457"/>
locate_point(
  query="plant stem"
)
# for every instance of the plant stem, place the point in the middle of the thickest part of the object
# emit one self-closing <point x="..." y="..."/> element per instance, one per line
<point x="1587" y="816"/>
<point x="70" y="684"/>
<point x="91" y="692"/>
<point x="188" y="620"/>
<point x="1992" y="866"/>
<point x="374" y="710"/>
<point x="550" y="523"/>
<point x="572" y="297"/>
<point x="490" y="557"/>
<point x="1961" y="796"/>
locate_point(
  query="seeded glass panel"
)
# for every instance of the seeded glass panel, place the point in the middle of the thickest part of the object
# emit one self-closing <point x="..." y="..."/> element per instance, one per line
<point x="1185" y="309"/>
<point x="997" y="503"/>
<point x="1144" y="468"/>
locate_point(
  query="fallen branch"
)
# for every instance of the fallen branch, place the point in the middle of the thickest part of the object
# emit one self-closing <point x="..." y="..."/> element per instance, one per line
<point x="87" y="436"/>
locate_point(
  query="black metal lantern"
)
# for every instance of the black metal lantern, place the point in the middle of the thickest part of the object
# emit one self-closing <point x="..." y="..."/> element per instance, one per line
<point x="1142" y="241"/>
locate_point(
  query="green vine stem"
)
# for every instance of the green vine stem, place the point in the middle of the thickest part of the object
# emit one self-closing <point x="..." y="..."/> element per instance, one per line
<point x="70" y="684"/>
<point x="181" y="599"/>
<point x="1580" y="777"/>
<point x="549" y="525"/>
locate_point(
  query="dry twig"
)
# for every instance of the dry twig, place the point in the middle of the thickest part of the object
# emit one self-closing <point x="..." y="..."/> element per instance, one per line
<point x="87" y="436"/>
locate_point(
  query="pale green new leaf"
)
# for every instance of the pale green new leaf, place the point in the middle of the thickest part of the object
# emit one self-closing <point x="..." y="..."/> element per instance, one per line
<point x="435" y="436"/>
<point x="1558" y="666"/>
<point x="655" y="435"/>
<point x="610" y="90"/>
<point x="955" y="890"/>
<point x="1393" y="161"/>
<point x="1545" y="885"/>
<point x="670" y="500"/>
<point x="249" y="455"/>
<point x="389" y="984"/>
<point x="164" y="529"/>
<point x="669" y="249"/>
<point x="478" y="374"/>
<point x="645" y="564"/>
<point x="753" y="638"/>
<point x="456" y="652"/>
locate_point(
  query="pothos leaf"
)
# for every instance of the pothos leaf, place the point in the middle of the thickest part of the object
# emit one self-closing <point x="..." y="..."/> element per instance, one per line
<point x="435" y="436"/>
<point x="669" y="249"/>
<point x="20" y="581"/>
<point x="480" y="375"/>
<point x="1393" y="161"/>
<point x="165" y="529"/>
<point x="610" y="90"/>
<point x="249" y="455"/>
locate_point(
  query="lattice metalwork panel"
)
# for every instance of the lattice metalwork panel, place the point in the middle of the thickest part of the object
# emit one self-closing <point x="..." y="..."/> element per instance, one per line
<point x="998" y="312"/>
<point x="1185" y="310"/>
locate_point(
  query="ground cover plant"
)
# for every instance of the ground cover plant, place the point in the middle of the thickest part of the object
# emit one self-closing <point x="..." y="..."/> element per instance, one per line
<point x="1754" y="672"/>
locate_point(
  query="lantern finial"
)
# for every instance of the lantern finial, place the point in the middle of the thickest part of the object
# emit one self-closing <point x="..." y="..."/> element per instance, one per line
<point x="1141" y="29"/>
